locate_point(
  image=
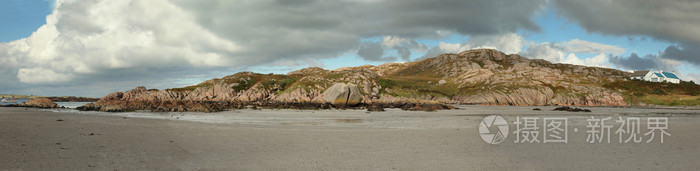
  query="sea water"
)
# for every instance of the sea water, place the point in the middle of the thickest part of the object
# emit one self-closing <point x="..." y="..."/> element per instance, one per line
<point x="17" y="101"/>
<point x="72" y="105"/>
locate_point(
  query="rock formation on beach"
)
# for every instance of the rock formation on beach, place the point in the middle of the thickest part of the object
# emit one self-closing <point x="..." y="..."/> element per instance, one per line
<point x="72" y="99"/>
<point x="39" y="103"/>
<point x="481" y="76"/>
<point x="341" y="94"/>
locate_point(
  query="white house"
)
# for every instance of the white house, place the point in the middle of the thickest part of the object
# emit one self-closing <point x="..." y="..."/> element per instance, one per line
<point x="640" y="75"/>
<point x="655" y="76"/>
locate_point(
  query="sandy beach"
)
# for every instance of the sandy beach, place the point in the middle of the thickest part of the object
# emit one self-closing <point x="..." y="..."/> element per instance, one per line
<point x="39" y="139"/>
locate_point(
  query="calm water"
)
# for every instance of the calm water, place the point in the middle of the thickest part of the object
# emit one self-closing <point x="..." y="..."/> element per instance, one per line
<point x="71" y="105"/>
<point x="16" y="100"/>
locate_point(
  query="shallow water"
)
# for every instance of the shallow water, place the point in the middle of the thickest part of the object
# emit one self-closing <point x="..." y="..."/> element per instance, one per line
<point x="391" y="118"/>
<point x="18" y="101"/>
<point x="72" y="105"/>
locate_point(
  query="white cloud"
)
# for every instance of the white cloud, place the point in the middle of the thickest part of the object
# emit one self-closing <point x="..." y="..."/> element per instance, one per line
<point x="41" y="75"/>
<point x="695" y="77"/>
<point x="582" y="46"/>
<point x="451" y="47"/>
<point x="509" y="43"/>
<point x="597" y="61"/>
<point x="557" y="52"/>
<point x="565" y="52"/>
<point x="97" y="40"/>
<point x="87" y="37"/>
<point x="549" y="51"/>
<point x="391" y="41"/>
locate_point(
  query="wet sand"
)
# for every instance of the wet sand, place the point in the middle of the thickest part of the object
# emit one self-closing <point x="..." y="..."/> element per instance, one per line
<point x="36" y="139"/>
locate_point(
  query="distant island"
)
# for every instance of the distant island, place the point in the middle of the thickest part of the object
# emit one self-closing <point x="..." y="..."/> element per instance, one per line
<point x="52" y="98"/>
<point x="480" y="76"/>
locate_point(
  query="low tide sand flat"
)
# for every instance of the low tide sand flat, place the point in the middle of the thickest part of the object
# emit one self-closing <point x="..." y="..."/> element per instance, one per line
<point x="49" y="139"/>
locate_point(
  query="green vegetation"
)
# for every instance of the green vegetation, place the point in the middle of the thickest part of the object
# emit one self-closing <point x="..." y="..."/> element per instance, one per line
<point x="18" y="96"/>
<point x="384" y="83"/>
<point x="183" y="89"/>
<point x="244" y="84"/>
<point x="670" y="100"/>
<point x="645" y="87"/>
<point x="190" y="88"/>
<point x="245" y="81"/>
<point x="268" y="81"/>
<point x="283" y="83"/>
<point x="669" y="94"/>
<point x="307" y="85"/>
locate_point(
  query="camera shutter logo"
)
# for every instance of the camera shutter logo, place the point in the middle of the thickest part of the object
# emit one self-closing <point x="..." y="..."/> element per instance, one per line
<point x="493" y="129"/>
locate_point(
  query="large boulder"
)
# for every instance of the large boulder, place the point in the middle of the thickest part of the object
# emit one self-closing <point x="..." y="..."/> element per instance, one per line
<point x="40" y="103"/>
<point x="341" y="95"/>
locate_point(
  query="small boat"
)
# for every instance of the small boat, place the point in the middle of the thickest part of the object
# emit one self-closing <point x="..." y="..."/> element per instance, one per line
<point x="8" y="101"/>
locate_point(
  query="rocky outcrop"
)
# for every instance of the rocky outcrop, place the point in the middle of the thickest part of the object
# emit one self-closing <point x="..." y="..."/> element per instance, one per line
<point x="73" y="99"/>
<point x="40" y="103"/>
<point x="481" y="76"/>
<point x="490" y="77"/>
<point x="545" y="96"/>
<point x="299" y="95"/>
<point x="517" y="97"/>
<point x="341" y="94"/>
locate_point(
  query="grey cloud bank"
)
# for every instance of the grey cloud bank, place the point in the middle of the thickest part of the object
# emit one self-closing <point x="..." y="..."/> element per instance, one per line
<point x="106" y="40"/>
<point x="105" y="46"/>
<point x="675" y="21"/>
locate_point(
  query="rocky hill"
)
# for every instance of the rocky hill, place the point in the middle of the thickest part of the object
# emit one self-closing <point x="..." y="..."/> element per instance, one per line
<point x="480" y="76"/>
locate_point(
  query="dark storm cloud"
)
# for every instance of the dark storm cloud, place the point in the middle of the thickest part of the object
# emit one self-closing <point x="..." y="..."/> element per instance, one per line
<point x="683" y="52"/>
<point x="676" y="21"/>
<point x="634" y="62"/>
<point x="432" y="52"/>
<point x="274" y="29"/>
<point x="372" y="51"/>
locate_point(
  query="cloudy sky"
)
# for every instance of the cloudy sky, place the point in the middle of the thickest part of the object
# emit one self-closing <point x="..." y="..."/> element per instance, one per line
<point x="94" y="47"/>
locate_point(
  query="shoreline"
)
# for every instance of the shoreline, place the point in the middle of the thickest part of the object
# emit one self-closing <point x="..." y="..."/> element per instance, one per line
<point x="252" y="116"/>
<point x="315" y="107"/>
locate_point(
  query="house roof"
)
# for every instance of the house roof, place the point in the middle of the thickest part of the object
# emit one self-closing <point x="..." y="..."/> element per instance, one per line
<point x="670" y="75"/>
<point x="659" y="75"/>
<point x="640" y="73"/>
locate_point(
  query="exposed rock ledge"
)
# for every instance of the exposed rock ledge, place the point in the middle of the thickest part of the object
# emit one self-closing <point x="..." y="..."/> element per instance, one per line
<point x="36" y="103"/>
<point x="163" y="101"/>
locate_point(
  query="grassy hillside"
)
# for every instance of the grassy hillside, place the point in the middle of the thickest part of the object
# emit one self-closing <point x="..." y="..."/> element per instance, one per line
<point x="669" y="94"/>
